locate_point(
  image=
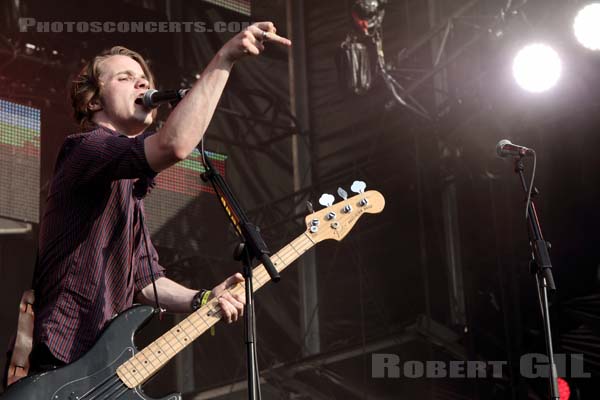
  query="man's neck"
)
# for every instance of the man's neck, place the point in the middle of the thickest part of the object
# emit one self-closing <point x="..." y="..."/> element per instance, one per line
<point x="127" y="132"/>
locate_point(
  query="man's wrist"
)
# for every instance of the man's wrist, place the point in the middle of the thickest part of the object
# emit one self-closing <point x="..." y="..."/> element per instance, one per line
<point x="200" y="299"/>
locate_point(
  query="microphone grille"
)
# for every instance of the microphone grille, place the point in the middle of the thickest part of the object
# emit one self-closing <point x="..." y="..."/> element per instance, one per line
<point x="147" y="99"/>
<point x="500" y="146"/>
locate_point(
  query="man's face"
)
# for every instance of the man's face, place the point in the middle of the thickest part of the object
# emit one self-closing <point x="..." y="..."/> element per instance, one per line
<point x="122" y="80"/>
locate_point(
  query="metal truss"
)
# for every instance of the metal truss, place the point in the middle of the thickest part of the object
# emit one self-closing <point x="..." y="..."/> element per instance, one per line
<point x="404" y="70"/>
<point x="283" y="377"/>
<point x="474" y="26"/>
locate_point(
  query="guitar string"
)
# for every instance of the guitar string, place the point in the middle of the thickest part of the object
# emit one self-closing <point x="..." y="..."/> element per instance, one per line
<point x="286" y="255"/>
<point x="95" y="388"/>
<point x="110" y="395"/>
<point x="122" y="393"/>
<point x="107" y="395"/>
<point x="141" y="377"/>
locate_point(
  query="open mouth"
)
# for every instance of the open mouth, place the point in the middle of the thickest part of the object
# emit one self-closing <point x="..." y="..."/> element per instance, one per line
<point x="139" y="100"/>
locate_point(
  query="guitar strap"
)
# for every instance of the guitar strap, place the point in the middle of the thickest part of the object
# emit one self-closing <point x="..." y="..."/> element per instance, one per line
<point x="159" y="309"/>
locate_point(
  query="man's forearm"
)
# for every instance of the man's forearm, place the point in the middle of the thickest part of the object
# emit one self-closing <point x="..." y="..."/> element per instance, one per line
<point x="188" y="122"/>
<point x="172" y="296"/>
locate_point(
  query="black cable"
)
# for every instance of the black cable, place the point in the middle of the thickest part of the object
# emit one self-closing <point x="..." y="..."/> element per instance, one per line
<point x="143" y="226"/>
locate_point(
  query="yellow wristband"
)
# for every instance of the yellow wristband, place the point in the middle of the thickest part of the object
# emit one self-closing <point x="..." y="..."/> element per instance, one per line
<point x="204" y="300"/>
<point x="205" y="297"/>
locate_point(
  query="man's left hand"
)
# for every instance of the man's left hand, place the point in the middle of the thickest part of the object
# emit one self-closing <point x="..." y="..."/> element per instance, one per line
<point x="231" y="304"/>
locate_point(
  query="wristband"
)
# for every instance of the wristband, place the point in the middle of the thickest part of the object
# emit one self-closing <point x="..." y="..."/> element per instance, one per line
<point x="200" y="299"/>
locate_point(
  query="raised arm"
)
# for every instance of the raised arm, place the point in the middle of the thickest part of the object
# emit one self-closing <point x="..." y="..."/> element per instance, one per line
<point x="189" y="120"/>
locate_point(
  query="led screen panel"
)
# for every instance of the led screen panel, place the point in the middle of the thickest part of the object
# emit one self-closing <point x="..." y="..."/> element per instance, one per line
<point x="19" y="161"/>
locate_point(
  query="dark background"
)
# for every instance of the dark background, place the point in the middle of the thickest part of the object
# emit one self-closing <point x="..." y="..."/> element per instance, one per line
<point x="387" y="288"/>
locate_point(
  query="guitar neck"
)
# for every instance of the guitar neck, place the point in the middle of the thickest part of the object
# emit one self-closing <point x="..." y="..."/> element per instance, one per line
<point x="139" y="368"/>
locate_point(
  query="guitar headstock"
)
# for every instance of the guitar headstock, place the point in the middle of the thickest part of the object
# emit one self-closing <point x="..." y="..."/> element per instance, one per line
<point x="336" y="220"/>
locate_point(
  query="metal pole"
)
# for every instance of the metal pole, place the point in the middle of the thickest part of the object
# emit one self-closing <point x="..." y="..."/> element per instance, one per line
<point x="303" y="172"/>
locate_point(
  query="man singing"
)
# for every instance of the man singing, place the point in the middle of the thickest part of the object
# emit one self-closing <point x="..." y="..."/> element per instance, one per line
<point x="95" y="253"/>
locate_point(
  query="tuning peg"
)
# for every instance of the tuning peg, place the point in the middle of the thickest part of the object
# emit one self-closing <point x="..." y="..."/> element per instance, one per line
<point x="358" y="187"/>
<point x="309" y="207"/>
<point x="326" y="200"/>
<point x="342" y="193"/>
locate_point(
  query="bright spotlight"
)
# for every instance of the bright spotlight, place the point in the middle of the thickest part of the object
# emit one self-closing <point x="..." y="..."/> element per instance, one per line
<point x="537" y="67"/>
<point x="587" y="26"/>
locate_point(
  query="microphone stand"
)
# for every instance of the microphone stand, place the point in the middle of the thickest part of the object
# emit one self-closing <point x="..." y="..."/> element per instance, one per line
<point x="251" y="246"/>
<point x="541" y="267"/>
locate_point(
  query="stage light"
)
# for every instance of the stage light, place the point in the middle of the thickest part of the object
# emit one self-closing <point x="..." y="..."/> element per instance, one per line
<point x="537" y="67"/>
<point x="563" y="389"/>
<point x="587" y="26"/>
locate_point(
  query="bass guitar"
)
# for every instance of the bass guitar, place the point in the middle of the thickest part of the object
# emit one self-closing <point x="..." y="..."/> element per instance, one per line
<point x="114" y="368"/>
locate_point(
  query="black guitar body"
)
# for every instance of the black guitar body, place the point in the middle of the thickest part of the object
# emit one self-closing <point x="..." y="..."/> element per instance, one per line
<point x="93" y="376"/>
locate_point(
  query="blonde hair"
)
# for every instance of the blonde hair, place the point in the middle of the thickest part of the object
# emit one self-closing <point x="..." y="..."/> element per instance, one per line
<point x="85" y="87"/>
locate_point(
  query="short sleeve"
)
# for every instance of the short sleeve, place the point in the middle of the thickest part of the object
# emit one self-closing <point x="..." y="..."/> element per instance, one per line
<point x="103" y="155"/>
<point x="142" y="276"/>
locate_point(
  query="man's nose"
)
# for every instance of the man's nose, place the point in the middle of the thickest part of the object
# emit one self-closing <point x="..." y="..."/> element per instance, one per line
<point x="141" y="83"/>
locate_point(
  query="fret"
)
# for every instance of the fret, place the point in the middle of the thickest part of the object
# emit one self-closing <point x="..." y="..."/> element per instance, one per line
<point x="143" y="362"/>
<point x="307" y="236"/>
<point x="306" y="244"/>
<point x="137" y="364"/>
<point x="153" y="352"/>
<point x="193" y="325"/>
<point x="175" y="332"/>
<point x="202" y="321"/>
<point x="202" y="318"/>
<point x="126" y="378"/>
<point x="256" y="278"/>
<point x="301" y="243"/>
<point x="184" y="329"/>
<point x="258" y="281"/>
<point x="294" y="248"/>
<point x="286" y="260"/>
<point x="170" y="343"/>
<point x="143" y="358"/>
<point x="290" y="254"/>
<point x="279" y="262"/>
<point x="161" y="351"/>
<point x="133" y="369"/>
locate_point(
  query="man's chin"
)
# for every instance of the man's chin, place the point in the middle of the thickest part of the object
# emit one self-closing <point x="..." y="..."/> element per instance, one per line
<point x="144" y="120"/>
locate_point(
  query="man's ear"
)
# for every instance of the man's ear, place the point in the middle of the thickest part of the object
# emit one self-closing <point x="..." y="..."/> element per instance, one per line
<point x="94" y="105"/>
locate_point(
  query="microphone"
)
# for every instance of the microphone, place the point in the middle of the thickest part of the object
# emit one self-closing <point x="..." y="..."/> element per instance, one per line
<point x="506" y="148"/>
<point x="154" y="98"/>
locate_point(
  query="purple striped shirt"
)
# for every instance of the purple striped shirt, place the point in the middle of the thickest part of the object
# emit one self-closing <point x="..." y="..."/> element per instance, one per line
<point x="92" y="256"/>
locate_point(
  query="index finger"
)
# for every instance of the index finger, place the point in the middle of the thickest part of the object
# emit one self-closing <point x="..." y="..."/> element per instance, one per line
<point x="273" y="37"/>
<point x="233" y="280"/>
<point x="269" y="28"/>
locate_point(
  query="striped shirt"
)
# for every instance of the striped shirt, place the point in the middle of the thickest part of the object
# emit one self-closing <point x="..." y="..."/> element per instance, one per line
<point x="92" y="257"/>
